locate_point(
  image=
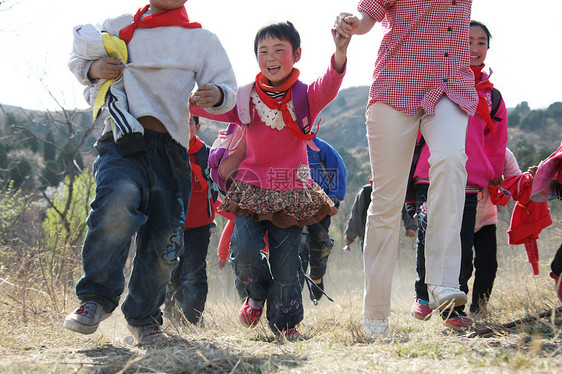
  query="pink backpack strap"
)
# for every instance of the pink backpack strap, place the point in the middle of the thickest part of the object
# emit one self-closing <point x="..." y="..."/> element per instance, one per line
<point x="243" y="103"/>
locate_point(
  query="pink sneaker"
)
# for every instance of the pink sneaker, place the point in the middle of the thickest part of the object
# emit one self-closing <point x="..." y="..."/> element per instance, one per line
<point x="290" y="334"/>
<point x="421" y="309"/>
<point x="249" y="315"/>
<point x="459" y="321"/>
<point x="557" y="284"/>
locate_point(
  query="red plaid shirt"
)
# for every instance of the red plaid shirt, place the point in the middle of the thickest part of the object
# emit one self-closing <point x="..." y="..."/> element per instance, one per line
<point x="424" y="54"/>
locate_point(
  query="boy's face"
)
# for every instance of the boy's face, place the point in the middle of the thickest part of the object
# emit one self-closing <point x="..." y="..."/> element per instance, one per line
<point x="193" y="128"/>
<point x="160" y="5"/>
<point x="276" y="59"/>
<point x="478" y="46"/>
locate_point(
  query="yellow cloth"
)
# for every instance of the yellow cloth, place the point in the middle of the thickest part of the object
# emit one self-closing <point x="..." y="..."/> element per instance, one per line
<point x="115" y="48"/>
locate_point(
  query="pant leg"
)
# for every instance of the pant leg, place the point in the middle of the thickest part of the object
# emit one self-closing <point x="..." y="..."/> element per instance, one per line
<point x="391" y="136"/>
<point x="320" y="247"/>
<point x="467" y="241"/>
<point x="421" y="209"/>
<point x="445" y="135"/>
<point x="160" y="239"/>
<point x="556" y="264"/>
<point x="284" y="299"/>
<point x="249" y="264"/>
<point x="117" y="212"/>
<point x="304" y="251"/>
<point x="193" y="278"/>
<point x="485" y="266"/>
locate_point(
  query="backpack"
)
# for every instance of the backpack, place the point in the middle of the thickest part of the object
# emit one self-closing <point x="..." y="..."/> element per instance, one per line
<point x="229" y="149"/>
<point x="496" y="101"/>
<point x="202" y="157"/>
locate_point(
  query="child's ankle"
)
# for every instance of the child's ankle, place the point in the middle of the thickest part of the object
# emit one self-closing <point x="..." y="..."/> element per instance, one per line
<point x="255" y="304"/>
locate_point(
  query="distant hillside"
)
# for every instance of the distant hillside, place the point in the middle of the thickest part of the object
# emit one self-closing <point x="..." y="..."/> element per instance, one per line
<point x="533" y="134"/>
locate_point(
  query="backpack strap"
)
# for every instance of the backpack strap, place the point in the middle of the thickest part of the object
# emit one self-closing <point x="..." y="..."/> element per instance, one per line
<point x="300" y="102"/>
<point x="496" y="101"/>
<point x="243" y="103"/>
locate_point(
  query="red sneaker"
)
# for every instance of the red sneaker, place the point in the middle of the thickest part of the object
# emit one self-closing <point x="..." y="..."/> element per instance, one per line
<point x="557" y="284"/>
<point x="249" y="315"/>
<point x="459" y="321"/>
<point x="290" y="334"/>
<point x="421" y="310"/>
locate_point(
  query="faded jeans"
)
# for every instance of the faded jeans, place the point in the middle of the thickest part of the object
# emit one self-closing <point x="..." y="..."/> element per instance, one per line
<point x="277" y="282"/>
<point x="146" y="194"/>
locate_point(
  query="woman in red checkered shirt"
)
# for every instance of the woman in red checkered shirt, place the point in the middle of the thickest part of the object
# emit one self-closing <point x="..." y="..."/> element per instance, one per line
<point x="422" y="82"/>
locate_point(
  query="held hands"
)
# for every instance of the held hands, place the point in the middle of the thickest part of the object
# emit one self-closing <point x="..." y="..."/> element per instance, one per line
<point x="206" y="96"/>
<point x="346" y="25"/>
<point x="106" y="68"/>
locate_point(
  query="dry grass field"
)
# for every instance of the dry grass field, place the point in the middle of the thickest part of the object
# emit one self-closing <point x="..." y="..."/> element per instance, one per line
<point x="33" y="340"/>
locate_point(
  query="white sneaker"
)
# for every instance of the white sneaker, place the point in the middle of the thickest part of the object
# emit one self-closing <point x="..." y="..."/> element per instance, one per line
<point x="375" y="327"/>
<point x="445" y="297"/>
<point x="86" y="318"/>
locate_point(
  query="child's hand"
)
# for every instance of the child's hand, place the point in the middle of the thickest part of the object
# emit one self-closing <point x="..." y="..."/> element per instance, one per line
<point x="221" y="263"/>
<point x="341" y="42"/>
<point x="106" y="68"/>
<point x="206" y="96"/>
<point x="496" y="182"/>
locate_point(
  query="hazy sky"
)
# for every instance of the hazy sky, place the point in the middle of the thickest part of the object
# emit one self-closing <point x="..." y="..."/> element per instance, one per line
<point x="36" y="39"/>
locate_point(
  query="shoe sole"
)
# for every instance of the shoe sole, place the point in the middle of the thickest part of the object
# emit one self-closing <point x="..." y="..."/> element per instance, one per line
<point x="80" y="328"/>
<point x="449" y="303"/>
<point x="421" y="317"/>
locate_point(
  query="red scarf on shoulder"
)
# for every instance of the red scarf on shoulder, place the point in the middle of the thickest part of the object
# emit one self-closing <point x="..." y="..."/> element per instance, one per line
<point x="482" y="107"/>
<point x="262" y="85"/>
<point x="172" y="17"/>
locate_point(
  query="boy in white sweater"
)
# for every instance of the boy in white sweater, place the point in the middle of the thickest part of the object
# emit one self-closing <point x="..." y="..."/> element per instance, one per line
<point x="142" y="172"/>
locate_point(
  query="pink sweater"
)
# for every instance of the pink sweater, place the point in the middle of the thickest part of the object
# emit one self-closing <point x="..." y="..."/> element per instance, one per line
<point x="273" y="157"/>
<point x="485" y="149"/>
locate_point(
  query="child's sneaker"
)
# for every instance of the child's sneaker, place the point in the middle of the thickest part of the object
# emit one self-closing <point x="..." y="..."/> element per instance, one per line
<point x="557" y="284"/>
<point x="290" y="334"/>
<point x="148" y="334"/>
<point x="86" y="318"/>
<point x="459" y="321"/>
<point x="249" y="315"/>
<point x="445" y="297"/>
<point x="421" y="309"/>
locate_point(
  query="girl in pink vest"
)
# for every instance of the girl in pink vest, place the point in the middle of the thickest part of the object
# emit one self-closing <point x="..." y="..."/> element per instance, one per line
<point x="273" y="192"/>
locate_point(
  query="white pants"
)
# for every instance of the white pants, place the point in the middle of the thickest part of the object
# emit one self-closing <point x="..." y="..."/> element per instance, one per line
<point x="392" y="136"/>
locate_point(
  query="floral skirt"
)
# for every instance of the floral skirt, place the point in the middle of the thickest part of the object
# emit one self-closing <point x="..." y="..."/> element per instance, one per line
<point x="283" y="208"/>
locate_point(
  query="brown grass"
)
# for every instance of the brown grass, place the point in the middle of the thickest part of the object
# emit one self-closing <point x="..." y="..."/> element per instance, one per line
<point x="334" y="341"/>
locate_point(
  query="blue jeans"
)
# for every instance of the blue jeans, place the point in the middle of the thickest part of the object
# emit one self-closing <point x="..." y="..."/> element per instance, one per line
<point x="190" y="278"/>
<point x="146" y="194"/>
<point x="277" y="282"/>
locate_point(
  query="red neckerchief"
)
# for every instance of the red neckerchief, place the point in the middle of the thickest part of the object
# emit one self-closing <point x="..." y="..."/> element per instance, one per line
<point x="172" y="17"/>
<point x="262" y="85"/>
<point x="195" y="144"/>
<point x="482" y="107"/>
